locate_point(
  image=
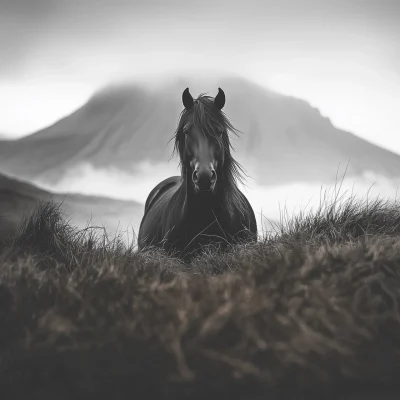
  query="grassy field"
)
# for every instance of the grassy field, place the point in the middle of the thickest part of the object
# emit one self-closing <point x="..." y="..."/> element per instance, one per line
<point x="309" y="312"/>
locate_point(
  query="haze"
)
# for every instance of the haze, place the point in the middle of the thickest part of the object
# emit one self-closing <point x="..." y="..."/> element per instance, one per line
<point x="271" y="204"/>
<point x="341" y="56"/>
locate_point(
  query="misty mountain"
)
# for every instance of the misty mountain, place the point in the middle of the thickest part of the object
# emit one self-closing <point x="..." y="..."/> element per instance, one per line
<point x="19" y="199"/>
<point x="283" y="139"/>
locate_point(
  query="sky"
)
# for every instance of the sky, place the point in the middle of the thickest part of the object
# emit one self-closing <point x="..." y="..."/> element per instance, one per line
<point x="342" y="56"/>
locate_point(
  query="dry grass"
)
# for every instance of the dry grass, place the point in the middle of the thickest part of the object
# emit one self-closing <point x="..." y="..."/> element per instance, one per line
<point x="310" y="312"/>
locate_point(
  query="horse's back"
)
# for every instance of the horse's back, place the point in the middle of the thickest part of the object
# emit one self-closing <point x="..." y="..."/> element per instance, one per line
<point x="159" y="189"/>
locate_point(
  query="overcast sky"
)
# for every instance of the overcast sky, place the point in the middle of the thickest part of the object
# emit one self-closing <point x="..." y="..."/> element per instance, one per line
<point x="343" y="56"/>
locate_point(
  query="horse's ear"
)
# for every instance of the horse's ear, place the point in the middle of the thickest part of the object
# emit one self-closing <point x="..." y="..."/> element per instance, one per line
<point x="219" y="100"/>
<point x="187" y="99"/>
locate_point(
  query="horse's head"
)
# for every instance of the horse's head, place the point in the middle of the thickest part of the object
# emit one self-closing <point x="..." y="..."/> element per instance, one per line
<point x="202" y="139"/>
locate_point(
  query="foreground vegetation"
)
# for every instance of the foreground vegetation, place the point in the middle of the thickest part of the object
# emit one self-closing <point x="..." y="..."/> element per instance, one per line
<point x="311" y="311"/>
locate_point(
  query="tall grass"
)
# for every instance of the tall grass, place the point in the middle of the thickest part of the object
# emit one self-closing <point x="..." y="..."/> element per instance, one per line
<point x="310" y="311"/>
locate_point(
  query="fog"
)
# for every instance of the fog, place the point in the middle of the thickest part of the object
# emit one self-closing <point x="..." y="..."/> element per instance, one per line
<point x="271" y="204"/>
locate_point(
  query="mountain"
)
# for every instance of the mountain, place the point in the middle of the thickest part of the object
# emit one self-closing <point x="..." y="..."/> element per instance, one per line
<point x="19" y="199"/>
<point x="284" y="139"/>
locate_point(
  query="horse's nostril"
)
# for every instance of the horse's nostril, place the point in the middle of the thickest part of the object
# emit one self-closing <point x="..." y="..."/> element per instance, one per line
<point x="195" y="176"/>
<point x="213" y="176"/>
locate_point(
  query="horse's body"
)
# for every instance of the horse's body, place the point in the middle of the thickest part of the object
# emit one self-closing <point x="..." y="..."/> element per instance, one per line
<point x="204" y="204"/>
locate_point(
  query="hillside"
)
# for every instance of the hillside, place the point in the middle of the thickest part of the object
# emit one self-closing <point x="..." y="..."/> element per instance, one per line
<point x="284" y="139"/>
<point x="310" y="313"/>
<point x="19" y="199"/>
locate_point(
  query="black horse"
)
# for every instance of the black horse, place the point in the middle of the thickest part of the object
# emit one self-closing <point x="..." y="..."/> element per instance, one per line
<point x="203" y="205"/>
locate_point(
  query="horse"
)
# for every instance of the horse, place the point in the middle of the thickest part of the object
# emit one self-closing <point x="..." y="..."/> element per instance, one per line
<point x="204" y="205"/>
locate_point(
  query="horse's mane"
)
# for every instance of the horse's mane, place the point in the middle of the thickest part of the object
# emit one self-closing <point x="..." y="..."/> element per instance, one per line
<point x="209" y="118"/>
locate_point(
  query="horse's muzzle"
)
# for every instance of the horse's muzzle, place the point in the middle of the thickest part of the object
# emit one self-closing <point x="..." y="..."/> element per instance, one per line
<point x="204" y="181"/>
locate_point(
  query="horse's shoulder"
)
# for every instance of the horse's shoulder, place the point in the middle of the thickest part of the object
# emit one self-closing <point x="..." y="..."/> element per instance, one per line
<point x="243" y="197"/>
<point x="250" y="212"/>
<point x="161" y="188"/>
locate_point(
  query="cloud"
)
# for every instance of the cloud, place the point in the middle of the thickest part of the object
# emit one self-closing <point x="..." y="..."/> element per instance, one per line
<point x="112" y="182"/>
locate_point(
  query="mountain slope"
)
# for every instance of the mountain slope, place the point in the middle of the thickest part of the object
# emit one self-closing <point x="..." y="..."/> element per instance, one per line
<point x="18" y="199"/>
<point x="284" y="139"/>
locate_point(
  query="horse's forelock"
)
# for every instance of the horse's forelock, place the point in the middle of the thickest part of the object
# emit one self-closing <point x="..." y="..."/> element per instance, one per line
<point x="205" y="115"/>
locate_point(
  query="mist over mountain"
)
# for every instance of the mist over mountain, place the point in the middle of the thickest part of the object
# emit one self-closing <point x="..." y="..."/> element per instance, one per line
<point x="283" y="139"/>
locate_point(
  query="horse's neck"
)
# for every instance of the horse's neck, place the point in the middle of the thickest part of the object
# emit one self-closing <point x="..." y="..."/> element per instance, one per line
<point x="200" y="207"/>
